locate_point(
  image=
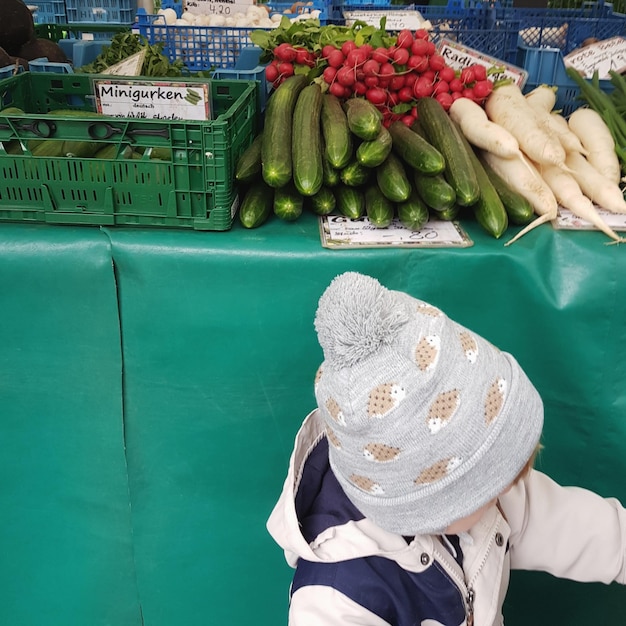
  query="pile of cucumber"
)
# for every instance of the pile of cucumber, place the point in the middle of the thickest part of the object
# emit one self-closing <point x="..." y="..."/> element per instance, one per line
<point x="319" y="153"/>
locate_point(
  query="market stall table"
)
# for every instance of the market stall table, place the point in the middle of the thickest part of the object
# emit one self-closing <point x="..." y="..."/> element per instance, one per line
<point x="151" y="383"/>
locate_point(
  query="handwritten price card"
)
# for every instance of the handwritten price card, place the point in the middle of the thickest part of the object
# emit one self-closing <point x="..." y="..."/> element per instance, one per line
<point x="603" y="56"/>
<point x="217" y="7"/>
<point x="153" y="100"/>
<point x="396" y="20"/>
<point x="337" y="231"/>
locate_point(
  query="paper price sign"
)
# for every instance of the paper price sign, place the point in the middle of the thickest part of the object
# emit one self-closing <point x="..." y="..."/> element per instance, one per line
<point x="153" y="100"/>
<point x="338" y="231"/>
<point x="603" y="56"/>
<point x="396" y="20"/>
<point x="459" y="56"/>
<point x="217" y="7"/>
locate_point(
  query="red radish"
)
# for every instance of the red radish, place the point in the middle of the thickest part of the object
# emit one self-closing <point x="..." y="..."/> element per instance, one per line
<point x="436" y="62"/>
<point x="359" y="88"/>
<point x="405" y="94"/>
<point x="348" y="46"/>
<point x="356" y="57"/>
<point x="367" y="49"/>
<point x="456" y="85"/>
<point x="423" y="88"/>
<point x="371" y="67"/>
<point x="392" y="99"/>
<point x="387" y="70"/>
<point x="285" y="52"/>
<point x="456" y="95"/>
<point x="407" y="120"/>
<point x="445" y="99"/>
<point x="329" y="74"/>
<point x="345" y="76"/>
<point x="376" y="95"/>
<point x="419" y="46"/>
<point x="409" y="79"/>
<point x="447" y="73"/>
<point x="405" y="38"/>
<point x="480" y="72"/>
<point x="271" y="72"/>
<point x="380" y="54"/>
<point x="285" y="68"/>
<point x="441" y="86"/>
<point x="327" y="49"/>
<point x="430" y="75"/>
<point x="422" y="33"/>
<point x="467" y="75"/>
<point x="338" y="90"/>
<point x="431" y="48"/>
<point x="401" y="56"/>
<point x="418" y="63"/>
<point x="336" y="58"/>
<point x="396" y="82"/>
<point x="371" y="81"/>
<point x="468" y="93"/>
<point x="482" y="89"/>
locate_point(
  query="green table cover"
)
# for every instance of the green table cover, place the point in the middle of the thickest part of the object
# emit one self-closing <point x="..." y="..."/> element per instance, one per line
<point x="185" y="361"/>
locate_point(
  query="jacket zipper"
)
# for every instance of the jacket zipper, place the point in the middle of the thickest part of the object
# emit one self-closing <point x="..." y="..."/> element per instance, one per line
<point x="469" y="607"/>
<point x="469" y="596"/>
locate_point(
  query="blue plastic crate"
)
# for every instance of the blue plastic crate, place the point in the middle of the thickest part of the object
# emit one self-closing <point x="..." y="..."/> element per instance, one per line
<point x="10" y="70"/>
<point x="101" y="11"/>
<point x="477" y="26"/>
<point x="545" y="66"/>
<point x="565" y="29"/>
<point x="248" y="68"/>
<point x="50" y="12"/>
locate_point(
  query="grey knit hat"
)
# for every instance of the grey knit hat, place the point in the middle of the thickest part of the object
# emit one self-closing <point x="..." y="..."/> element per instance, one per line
<point x="427" y="421"/>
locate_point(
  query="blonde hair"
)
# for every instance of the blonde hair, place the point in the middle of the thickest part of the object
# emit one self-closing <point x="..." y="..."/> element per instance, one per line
<point x="529" y="464"/>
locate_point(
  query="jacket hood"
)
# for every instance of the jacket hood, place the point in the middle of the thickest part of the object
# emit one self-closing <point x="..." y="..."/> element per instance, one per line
<point x="314" y="519"/>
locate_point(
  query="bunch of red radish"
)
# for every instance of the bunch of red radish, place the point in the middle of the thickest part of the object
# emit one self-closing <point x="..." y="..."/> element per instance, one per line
<point x="388" y="77"/>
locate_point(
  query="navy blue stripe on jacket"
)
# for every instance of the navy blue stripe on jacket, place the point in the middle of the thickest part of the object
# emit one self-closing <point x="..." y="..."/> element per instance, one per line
<point x="378" y="584"/>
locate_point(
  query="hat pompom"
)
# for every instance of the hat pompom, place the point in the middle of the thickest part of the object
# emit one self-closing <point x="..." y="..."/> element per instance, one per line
<point x="356" y="316"/>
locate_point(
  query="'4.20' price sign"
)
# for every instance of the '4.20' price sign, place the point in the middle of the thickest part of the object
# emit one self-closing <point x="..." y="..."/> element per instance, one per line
<point x="217" y="7"/>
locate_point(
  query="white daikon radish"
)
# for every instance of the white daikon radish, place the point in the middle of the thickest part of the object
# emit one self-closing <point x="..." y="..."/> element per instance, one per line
<point x="524" y="178"/>
<point x="507" y="106"/>
<point x="596" y="137"/>
<point x="597" y="187"/>
<point x="550" y="123"/>
<point x="480" y="131"/>
<point x="543" y="97"/>
<point x="569" y="194"/>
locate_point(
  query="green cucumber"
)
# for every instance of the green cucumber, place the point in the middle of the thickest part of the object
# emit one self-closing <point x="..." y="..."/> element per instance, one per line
<point x="336" y="133"/>
<point x="447" y="215"/>
<point x="249" y="163"/>
<point x="46" y="147"/>
<point x="445" y="136"/>
<point x="392" y="179"/>
<point x="415" y="150"/>
<point x="110" y="151"/>
<point x="354" y="174"/>
<point x="364" y="119"/>
<point x="81" y="149"/>
<point x="488" y="209"/>
<point x="412" y="213"/>
<point x="378" y="208"/>
<point x="373" y="153"/>
<point x="306" y="150"/>
<point x="257" y="205"/>
<point x="288" y="203"/>
<point x="277" y="131"/>
<point x="350" y="201"/>
<point x="519" y="210"/>
<point x="323" y="202"/>
<point x="435" y="191"/>
<point x="330" y="174"/>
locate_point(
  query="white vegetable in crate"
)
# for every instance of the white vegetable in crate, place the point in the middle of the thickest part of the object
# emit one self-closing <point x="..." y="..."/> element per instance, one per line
<point x="169" y="15"/>
<point x="218" y="20"/>
<point x="188" y="17"/>
<point x="595" y="136"/>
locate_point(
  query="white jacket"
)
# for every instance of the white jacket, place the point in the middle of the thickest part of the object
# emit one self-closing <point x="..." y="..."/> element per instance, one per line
<point x="349" y="571"/>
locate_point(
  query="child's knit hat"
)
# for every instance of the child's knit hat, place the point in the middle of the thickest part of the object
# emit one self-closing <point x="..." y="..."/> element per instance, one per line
<point x="427" y="421"/>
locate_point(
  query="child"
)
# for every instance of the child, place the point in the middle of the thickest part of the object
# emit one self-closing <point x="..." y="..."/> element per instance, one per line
<point x="410" y="492"/>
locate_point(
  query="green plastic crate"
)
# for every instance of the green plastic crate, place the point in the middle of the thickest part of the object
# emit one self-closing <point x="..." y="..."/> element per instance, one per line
<point x="192" y="187"/>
